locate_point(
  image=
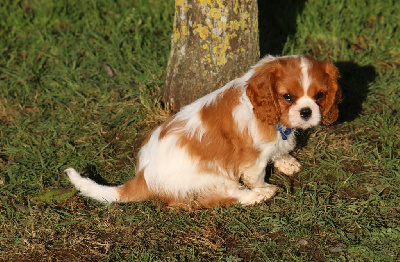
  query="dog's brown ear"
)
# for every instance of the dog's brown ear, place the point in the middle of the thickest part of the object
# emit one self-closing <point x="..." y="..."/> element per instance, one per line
<point x="262" y="94"/>
<point x="330" y="112"/>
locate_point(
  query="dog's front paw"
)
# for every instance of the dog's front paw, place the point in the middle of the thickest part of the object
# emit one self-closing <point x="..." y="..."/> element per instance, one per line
<point x="258" y="194"/>
<point x="287" y="165"/>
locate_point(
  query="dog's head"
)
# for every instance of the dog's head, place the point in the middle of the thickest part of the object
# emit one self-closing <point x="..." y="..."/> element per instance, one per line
<point x="296" y="91"/>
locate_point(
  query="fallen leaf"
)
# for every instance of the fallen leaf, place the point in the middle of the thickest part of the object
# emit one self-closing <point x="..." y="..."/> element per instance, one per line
<point x="55" y="195"/>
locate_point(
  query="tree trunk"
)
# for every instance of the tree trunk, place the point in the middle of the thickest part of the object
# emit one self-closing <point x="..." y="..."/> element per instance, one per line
<point x="213" y="42"/>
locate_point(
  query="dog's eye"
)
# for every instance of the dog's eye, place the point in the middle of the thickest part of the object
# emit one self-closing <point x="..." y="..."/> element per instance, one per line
<point x="319" y="95"/>
<point x="287" y="97"/>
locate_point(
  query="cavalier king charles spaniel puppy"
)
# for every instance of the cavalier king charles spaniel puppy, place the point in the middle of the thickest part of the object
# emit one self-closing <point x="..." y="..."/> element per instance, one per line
<point x="214" y="152"/>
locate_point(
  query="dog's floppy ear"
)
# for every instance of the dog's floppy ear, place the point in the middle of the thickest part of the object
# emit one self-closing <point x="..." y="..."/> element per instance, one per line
<point x="262" y="94"/>
<point x="330" y="112"/>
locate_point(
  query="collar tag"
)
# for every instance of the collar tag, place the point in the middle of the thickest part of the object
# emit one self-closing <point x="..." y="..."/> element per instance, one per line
<point x="285" y="133"/>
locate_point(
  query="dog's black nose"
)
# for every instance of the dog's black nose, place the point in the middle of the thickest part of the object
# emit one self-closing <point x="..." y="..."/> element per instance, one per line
<point x="305" y="113"/>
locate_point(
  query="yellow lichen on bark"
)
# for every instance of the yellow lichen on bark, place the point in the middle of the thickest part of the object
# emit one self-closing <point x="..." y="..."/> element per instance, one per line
<point x="184" y="29"/>
<point x="176" y="35"/>
<point x="212" y="36"/>
<point x="215" y="13"/>
<point x="244" y="21"/>
<point x="179" y="3"/>
<point x="201" y="30"/>
<point x="221" y="4"/>
<point x="218" y="26"/>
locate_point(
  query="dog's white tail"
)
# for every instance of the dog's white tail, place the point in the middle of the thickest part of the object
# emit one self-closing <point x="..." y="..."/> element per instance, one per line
<point x="135" y="189"/>
<point x="89" y="188"/>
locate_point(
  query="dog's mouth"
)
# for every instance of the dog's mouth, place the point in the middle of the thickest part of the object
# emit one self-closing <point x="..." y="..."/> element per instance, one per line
<point x="305" y="123"/>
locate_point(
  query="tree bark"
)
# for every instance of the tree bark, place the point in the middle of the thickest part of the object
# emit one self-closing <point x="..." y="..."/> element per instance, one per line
<point x="213" y="42"/>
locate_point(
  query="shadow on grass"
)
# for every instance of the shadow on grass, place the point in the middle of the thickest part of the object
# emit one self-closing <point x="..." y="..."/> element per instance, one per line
<point x="354" y="81"/>
<point x="277" y="22"/>
<point x="93" y="174"/>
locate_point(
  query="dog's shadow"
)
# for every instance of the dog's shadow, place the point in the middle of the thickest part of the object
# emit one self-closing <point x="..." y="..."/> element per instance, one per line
<point x="277" y="22"/>
<point x="355" y="81"/>
<point x="92" y="173"/>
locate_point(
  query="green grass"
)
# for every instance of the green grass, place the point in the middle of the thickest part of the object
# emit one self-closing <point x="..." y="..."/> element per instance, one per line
<point x="59" y="107"/>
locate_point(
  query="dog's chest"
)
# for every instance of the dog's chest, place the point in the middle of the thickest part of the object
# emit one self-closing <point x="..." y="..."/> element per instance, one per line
<point x="277" y="147"/>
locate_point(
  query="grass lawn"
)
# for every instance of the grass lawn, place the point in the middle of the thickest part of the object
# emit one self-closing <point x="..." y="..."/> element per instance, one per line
<point x="80" y="85"/>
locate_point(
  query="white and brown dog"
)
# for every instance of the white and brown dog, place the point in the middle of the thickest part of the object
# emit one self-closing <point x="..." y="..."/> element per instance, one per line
<point x="215" y="150"/>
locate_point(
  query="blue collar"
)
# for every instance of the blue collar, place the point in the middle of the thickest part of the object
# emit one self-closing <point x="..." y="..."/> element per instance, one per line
<point x="285" y="133"/>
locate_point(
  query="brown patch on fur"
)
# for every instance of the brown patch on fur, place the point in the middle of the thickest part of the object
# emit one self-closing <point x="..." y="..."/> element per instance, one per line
<point x="262" y="94"/>
<point x="201" y="200"/>
<point x="135" y="189"/>
<point x="319" y="78"/>
<point x="324" y="79"/>
<point x="266" y="131"/>
<point x="223" y="144"/>
<point x="216" y="199"/>
<point x="330" y="112"/>
<point x="269" y="83"/>
<point x="288" y="81"/>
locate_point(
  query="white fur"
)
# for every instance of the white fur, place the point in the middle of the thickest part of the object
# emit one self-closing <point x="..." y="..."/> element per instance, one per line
<point x="253" y="196"/>
<point x="169" y="168"/>
<point x="89" y="188"/>
<point x="254" y="176"/>
<point x="305" y="78"/>
<point x="294" y="113"/>
<point x="305" y="101"/>
<point x="287" y="165"/>
<point x="244" y="117"/>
